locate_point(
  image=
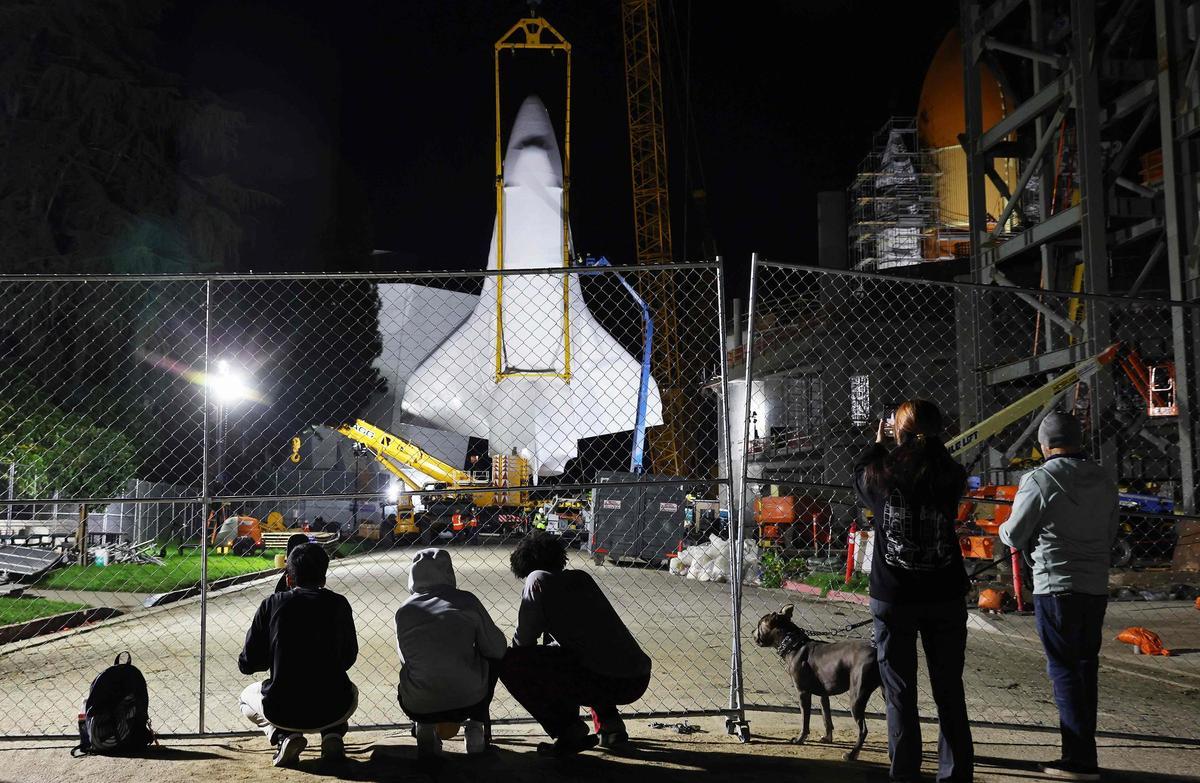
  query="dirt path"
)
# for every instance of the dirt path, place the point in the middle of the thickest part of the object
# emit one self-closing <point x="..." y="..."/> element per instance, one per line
<point x="656" y="756"/>
<point x="683" y="624"/>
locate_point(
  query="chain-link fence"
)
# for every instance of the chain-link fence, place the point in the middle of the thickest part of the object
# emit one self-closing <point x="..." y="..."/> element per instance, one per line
<point x="829" y="354"/>
<point x="165" y="436"/>
<point x="160" y="439"/>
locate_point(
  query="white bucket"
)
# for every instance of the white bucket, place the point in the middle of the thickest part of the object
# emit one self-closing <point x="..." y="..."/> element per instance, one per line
<point x="101" y="557"/>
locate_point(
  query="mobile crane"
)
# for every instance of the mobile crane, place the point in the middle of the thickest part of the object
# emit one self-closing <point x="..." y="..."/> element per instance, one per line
<point x="455" y="498"/>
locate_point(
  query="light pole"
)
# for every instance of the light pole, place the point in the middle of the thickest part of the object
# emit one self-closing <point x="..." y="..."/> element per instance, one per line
<point x="229" y="388"/>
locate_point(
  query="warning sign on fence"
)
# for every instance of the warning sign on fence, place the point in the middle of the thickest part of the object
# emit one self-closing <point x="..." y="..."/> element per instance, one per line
<point x="614" y="504"/>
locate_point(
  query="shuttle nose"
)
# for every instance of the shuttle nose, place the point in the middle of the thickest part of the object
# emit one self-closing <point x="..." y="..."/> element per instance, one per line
<point x="532" y="153"/>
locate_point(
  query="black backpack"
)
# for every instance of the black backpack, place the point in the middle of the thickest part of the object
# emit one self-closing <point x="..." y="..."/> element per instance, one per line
<point x="116" y="715"/>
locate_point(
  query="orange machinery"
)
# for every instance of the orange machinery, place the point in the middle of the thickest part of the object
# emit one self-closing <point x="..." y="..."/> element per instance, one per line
<point x="776" y="517"/>
<point x="987" y="517"/>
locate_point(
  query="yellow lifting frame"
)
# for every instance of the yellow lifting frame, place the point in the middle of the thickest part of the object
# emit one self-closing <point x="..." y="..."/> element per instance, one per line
<point x="529" y="31"/>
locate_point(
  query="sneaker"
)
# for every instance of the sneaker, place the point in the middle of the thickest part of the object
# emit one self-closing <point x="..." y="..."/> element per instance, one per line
<point x="333" y="748"/>
<point x="612" y="734"/>
<point x="476" y="736"/>
<point x="429" y="744"/>
<point x="572" y="741"/>
<point x="1069" y="770"/>
<point x="289" y="750"/>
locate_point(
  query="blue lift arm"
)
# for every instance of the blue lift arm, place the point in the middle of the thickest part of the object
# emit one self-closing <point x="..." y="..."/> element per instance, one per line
<point x="639" y="430"/>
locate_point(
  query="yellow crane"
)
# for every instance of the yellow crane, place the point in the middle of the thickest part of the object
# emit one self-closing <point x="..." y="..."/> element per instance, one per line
<point x="449" y="485"/>
<point x="669" y="452"/>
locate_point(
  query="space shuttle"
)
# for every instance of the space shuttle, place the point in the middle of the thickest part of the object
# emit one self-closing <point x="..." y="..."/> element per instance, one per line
<point x="530" y="369"/>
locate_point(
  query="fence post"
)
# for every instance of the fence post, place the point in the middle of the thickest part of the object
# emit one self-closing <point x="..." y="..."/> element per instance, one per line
<point x="736" y="700"/>
<point x="81" y="534"/>
<point x="207" y="501"/>
<point x="743" y="728"/>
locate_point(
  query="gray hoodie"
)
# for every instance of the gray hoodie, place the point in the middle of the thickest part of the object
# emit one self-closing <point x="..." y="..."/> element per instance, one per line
<point x="1066" y="512"/>
<point x="444" y="636"/>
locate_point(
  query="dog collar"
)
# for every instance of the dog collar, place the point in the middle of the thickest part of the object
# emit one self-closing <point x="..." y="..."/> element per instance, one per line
<point x="790" y="643"/>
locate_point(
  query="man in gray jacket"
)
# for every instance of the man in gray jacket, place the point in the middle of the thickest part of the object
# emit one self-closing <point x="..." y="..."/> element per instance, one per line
<point x="450" y="652"/>
<point x="1065" y="512"/>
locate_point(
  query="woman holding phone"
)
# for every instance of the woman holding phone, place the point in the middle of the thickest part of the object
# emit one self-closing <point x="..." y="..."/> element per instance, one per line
<point x="918" y="584"/>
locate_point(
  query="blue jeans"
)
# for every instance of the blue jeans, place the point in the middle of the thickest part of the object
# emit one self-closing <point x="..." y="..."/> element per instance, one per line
<point x="943" y="630"/>
<point x="1071" y="626"/>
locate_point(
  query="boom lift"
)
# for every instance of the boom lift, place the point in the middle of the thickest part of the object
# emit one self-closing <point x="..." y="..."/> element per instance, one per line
<point x="1154" y="383"/>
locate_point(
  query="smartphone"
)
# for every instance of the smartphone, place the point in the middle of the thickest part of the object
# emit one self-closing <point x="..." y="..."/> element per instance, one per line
<point x="889" y="422"/>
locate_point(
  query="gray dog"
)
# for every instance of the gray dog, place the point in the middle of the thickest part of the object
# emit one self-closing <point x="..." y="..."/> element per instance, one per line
<point x="824" y="668"/>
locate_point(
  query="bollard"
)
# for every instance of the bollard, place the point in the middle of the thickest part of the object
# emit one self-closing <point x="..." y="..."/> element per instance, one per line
<point x="850" y="551"/>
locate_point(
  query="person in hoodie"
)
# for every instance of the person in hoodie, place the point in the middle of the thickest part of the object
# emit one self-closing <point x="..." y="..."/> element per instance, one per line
<point x="450" y="651"/>
<point x="918" y="586"/>
<point x="1066" y="513"/>
<point x="305" y="637"/>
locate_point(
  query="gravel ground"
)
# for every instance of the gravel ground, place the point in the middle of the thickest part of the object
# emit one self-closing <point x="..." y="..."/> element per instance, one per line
<point x="1003" y="756"/>
<point x="683" y="625"/>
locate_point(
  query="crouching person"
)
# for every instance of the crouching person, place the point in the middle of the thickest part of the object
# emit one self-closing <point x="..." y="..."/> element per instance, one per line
<point x="450" y="652"/>
<point x="591" y="659"/>
<point x="305" y="637"/>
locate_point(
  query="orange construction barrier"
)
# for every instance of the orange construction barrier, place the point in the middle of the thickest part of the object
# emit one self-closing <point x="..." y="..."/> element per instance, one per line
<point x="1143" y="640"/>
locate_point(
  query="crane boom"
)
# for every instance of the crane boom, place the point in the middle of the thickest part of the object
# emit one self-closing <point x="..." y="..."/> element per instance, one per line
<point x="652" y="225"/>
<point x="391" y="449"/>
<point x="1037" y="398"/>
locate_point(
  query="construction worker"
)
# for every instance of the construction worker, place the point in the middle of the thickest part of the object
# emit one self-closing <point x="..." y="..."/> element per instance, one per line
<point x="1066" y="513"/>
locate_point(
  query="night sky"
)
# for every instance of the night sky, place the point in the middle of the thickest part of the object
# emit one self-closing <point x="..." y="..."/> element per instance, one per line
<point x="371" y="121"/>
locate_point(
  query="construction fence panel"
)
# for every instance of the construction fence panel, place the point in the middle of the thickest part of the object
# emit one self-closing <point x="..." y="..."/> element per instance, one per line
<point x="829" y="354"/>
<point x="101" y="436"/>
<point x="502" y="403"/>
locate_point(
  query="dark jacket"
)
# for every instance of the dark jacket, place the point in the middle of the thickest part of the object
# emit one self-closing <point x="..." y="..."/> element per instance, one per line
<point x="916" y="556"/>
<point x="305" y="637"/>
<point x="571" y="608"/>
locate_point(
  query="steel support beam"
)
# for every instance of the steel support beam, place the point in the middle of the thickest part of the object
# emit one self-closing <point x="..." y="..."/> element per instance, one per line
<point x="1053" y="60"/>
<point x="969" y="323"/>
<point x="1037" y="36"/>
<point x="1128" y="102"/>
<point x="1034" y="365"/>
<point x="1030" y="170"/>
<point x="1151" y="262"/>
<point x="1035" y="236"/>
<point x="1033" y="107"/>
<point x="1175" y="159"/>
<point x="1092" y="192"/>
<point x="1122" y="158"/>
<point x="1051" y="314"/>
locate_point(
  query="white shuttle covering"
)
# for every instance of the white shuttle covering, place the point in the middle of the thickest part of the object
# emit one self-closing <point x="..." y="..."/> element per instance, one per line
<point x="543" y="417"/>
<point x="413" y="321"/>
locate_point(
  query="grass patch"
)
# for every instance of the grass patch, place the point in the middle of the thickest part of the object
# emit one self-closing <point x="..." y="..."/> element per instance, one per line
<point x="22" y="610"/>
<point x="177" y="572"/>
<point x="829" y="580"/>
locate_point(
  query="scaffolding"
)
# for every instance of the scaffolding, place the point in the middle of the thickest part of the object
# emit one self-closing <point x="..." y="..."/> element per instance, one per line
<point x="894" y="203"/>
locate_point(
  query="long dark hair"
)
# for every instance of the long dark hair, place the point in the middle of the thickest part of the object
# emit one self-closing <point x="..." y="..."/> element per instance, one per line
<point x="919" y="466"/>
